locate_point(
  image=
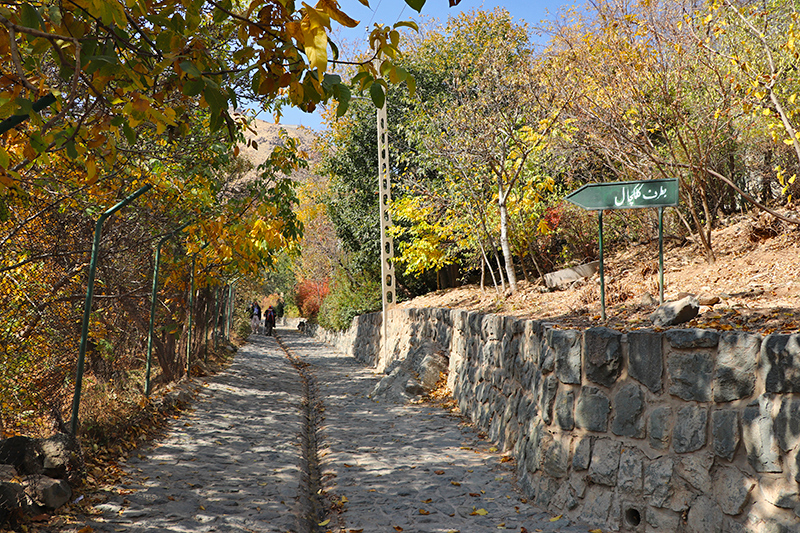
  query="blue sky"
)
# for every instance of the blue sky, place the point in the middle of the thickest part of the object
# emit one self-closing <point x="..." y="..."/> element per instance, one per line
<point x="388" y="12"/>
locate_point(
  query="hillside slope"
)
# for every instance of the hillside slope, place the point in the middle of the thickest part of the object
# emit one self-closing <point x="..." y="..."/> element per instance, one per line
<point x="756" y="277"/>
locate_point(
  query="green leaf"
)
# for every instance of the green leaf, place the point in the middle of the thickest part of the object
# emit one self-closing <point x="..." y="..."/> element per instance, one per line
<point x="37" y="143"/>
<point x="189" y="68"/>
<point x="216" y="100"/>
<point x="412" y="85"/>
<point x="193" y="87"/>
<point x="377" y="95"/>
<point x="344" y="100"/>
<point x="30" y="18"/>
<point x="416" y="4"/>
<point x="334" y="50"/>
<point x="130" y="135"/>
<point x="72" y="153"/>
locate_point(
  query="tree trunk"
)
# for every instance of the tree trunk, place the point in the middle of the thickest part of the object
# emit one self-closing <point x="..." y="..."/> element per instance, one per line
<point x="512" y="278"/>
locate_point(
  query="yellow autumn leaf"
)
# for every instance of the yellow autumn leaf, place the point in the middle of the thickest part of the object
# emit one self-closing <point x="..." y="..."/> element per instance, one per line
<point x="315" y="38"/>
<point x="598" y="530"/>
<point x="479" y="512"/>
<point x="424" y="512"/>
<point x="332" y="9"/>
<point x="325" y="522"/>
<point x="556" y="518"/>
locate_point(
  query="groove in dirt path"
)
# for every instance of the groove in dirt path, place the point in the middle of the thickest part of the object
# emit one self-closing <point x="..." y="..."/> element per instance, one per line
<point x="256" y="455"/>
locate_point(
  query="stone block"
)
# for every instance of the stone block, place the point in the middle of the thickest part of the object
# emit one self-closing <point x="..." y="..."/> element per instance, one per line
<point x="780" y="363"/>
<point x="592" y="409"/>
<point x="548" y="398"/>
<point x="663" y="520"/>
<point x="737" y="362"/>
<point x="660" y="427"/>
<point x="490" y="353"/>
<point x="545" y="489"/>
<point x="547" y="357"/>
<point x="695" y="469"/>
<point x="565" y="498"/>
<point x="686" y="339"/>
<point x="582" y="455"/>
<point x="780" y="493"/>
<point x="689" y="434"/>
<point x="787" y="424"/>
<point x="564" y="409"/>
<point x="631" y="468"/>
<point x="759" y="437"/>
<point x="602" y="355"/>
<point x="597" y="505"/>
<point x="533" y="453"/>
<point x="555" y="458"/>
<point x="658" y="481"/>
<point x="645" y="359"/>
<point x="605" y="462"/>
<point x="628" y="409"/>
<point x="731" y="489"/>
<point x="492" y="327"/>
<point x="725" y="433"/>
<point x="704" y="516"/>
<point x="691" y="374"/>
<point x="566" y="346"/>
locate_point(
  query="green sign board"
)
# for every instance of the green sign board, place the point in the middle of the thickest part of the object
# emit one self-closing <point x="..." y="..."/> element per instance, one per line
<point x="626" y="195"/>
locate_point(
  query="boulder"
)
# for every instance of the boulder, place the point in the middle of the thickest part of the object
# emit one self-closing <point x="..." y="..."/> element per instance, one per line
<point x="672" y="313"/>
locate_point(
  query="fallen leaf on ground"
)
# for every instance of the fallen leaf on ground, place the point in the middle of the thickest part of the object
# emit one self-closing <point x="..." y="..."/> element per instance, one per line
<point x="474" y="494"/>
<point x="556" y="518"/>
<point x="423" y="511"/>
<point x="356" y="530"/>
<point x="479" y="512"/>
<point x="455" y="483"/>
<point x="429" y="500"/>
<point x="398" y="528"/>
<point x="87" y="529"/>
<point x="438" y="472"/>
<point x="325" y="522"/>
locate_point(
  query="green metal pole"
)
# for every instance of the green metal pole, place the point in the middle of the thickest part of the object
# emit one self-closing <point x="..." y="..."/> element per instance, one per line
<point x="191" y="307"/>
<point x="87" y="308"/>
<point x="217" y="299"/>
<point x="660" y="255"/>
<point x="16" y="120"/>
<point x="231" y="299"/>
<point x="153" y="298"/>
<point x="602" y="270"/>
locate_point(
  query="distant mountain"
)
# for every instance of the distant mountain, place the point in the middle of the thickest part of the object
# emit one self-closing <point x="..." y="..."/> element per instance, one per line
<point x="266" y="135"/>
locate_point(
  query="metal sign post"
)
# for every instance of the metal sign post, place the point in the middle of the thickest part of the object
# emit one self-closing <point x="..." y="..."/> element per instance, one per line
<point x="387" y="243"/>
<point x="658" y="193"/>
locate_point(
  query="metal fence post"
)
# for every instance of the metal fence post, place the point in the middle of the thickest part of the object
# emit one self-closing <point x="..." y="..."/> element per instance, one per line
<point x="87" y="310"/>
<point x="153" y="297"/>
<point x="191" y="308"/>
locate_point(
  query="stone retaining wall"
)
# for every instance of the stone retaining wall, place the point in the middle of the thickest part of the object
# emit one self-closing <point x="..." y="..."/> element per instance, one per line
<point x="687" y="430"/>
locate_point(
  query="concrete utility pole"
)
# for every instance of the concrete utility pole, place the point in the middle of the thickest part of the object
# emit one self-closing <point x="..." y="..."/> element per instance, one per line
<point x="387" y="243"/>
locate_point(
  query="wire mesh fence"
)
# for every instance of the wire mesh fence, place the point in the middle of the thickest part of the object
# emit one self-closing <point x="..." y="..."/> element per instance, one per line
<point x="43" y="283"/>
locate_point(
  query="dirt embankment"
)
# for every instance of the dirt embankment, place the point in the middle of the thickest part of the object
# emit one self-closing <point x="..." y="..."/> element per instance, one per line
<point x="756" y="277"/>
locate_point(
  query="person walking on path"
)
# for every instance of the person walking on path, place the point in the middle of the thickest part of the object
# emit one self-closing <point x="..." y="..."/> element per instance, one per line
<point x="255" y="318"/>
<point x="269" y="320"/>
